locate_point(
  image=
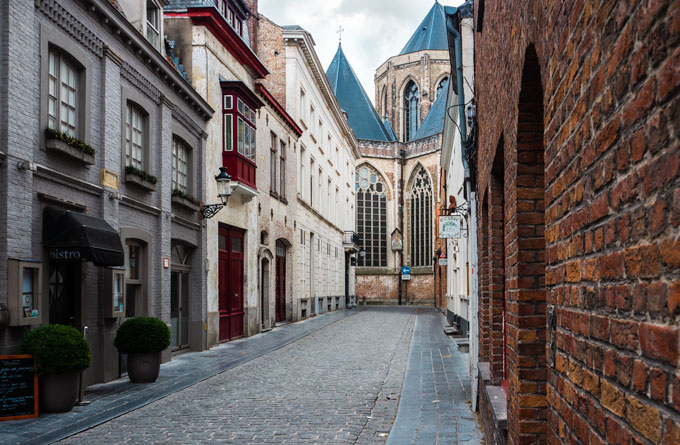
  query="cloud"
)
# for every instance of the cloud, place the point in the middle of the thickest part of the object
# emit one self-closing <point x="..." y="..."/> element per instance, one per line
<point x="374" y="30"/>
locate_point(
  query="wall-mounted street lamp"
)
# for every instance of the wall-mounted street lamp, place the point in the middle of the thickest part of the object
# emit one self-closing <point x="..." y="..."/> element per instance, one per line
<point x="223" y="192"/>
<point x="362" y="252"/>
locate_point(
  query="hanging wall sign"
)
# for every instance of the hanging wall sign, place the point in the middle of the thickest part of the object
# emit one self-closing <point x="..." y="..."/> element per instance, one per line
<point x="449" y="226"/>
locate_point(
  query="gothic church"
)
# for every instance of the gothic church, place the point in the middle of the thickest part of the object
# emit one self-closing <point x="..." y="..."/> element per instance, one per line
<point x="397" y="181"/>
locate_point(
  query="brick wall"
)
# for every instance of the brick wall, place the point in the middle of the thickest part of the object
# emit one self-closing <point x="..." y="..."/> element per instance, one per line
<point x="272" y="52"/>
<point x="584" y="97"/>
<point x="105" y="75"/>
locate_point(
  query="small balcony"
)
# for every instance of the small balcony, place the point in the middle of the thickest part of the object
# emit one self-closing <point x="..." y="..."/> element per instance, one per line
<point x="351" y="241"/>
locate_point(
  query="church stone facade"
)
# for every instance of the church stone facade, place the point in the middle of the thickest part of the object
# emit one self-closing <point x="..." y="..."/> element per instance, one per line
<point x="397" y="180"/>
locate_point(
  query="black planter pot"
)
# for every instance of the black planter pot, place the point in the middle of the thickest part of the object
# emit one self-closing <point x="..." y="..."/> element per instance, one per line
<point x="143" y="367"/>
<point x="58" y="392"/>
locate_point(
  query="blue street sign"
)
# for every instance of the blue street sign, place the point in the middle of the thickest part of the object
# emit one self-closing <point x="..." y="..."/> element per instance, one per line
<point x="406" y="270"/>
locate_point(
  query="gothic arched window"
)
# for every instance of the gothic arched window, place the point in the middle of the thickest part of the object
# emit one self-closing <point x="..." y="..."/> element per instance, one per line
<point x="441" y="88"/>
<point x="421" y="219"/>
<point x="411" y="106"/>
<point x="371" y="216"/>
<point x="384" y="102"/>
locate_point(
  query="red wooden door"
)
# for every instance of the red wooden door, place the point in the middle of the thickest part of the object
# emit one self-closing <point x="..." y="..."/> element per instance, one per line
<point x="280" y="283"/>
<point x="230" y="283"/>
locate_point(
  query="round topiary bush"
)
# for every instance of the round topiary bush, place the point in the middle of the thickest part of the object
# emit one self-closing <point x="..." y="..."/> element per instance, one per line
<point x="142" y="334"/>
<point x="57" y="349"/>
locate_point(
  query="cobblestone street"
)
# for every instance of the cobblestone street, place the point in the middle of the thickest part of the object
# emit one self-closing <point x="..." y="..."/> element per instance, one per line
<point x="320" y="389"/>
<point x="338" y="378"/>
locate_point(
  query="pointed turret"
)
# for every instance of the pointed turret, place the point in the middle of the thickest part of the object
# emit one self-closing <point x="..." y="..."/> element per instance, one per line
<point x="361" y="115"/>
<point x="430" y="34"/>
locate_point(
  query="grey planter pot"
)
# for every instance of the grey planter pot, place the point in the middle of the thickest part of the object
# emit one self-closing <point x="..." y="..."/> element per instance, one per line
<point x="58" y="393"/>
<point x="62" y="147"/>
<point x="143" y="367"/>
<point x="139" y="182"/>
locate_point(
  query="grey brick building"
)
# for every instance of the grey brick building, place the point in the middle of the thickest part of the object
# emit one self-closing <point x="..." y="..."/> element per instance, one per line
<point x="98" y="72"/>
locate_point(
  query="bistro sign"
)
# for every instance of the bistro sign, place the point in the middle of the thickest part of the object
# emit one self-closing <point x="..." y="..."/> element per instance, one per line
<point x="64" y="255"/>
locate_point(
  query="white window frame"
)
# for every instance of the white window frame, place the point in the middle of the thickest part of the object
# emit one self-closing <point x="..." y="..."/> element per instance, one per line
<point x="62" y="93"/>
<point x="180" y="165"/>
<point x="153" y="31"/>
<point x="135" y="144"/>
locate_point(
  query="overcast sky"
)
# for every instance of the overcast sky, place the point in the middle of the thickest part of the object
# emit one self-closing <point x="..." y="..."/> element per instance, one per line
<point x="374" y="30"/>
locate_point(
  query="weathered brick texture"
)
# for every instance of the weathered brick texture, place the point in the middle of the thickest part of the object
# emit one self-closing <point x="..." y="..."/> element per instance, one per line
<point x="583" y="96"/>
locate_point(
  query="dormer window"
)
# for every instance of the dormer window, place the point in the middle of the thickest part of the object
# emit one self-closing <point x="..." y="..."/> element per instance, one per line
<point x="153" y="20"/>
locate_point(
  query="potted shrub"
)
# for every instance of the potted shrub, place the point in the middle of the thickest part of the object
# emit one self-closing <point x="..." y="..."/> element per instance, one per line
<point x="143" y="339"/>
<point x="60" y="353"/>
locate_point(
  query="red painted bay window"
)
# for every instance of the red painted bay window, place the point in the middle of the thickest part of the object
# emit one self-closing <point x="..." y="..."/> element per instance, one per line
<point x="239" y="124"/>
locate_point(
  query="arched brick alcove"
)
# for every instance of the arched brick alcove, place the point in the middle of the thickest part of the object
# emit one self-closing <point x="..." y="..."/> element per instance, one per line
<point x="525" y="316"/>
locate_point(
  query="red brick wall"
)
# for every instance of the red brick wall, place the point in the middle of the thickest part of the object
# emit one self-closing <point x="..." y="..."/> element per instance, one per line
<point x="272" y="52"/>
<point x="386" y="287"/>
<point x="496" y="286"/>
<point x="592" y="208"/>
<point x="484" y="305"/>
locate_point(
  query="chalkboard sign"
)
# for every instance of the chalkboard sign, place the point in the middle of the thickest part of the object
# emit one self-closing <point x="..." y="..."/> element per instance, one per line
<point x="18" y="387"/>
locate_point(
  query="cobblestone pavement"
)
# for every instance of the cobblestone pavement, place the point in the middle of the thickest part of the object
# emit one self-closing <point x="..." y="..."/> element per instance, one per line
<point x="113" y="399"/>
<point x="434" y="408"/>
<point x="338" y="384"/>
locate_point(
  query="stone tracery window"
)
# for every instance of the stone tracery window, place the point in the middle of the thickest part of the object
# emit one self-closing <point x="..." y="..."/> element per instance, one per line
<point x="371" y="216"/>
<point x="411" y="107"/>
<point x="421" y="219"/>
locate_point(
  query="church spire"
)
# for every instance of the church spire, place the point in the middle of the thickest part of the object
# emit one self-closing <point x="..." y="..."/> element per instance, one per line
<point x="430" y="34"/>
<point x="361" y="115"/>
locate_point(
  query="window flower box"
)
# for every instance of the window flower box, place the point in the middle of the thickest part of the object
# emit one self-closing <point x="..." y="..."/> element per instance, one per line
<point x="140" y="179"/>
<point x="70" y="147"/>
<point x="185" y="200"/>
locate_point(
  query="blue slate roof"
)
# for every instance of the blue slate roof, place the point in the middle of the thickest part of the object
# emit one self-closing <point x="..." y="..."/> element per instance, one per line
<point x="431" y="33"/>
<point x="361" y="115"/>
<point x="434" y="122"/>
<point x="389" y="129"/>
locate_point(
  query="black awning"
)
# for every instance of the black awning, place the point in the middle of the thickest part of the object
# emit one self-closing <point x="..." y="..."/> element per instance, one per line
<point x="71" y="236"/>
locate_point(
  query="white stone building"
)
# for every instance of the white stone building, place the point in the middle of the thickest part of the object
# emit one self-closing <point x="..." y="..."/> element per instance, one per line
<point x="327" y="155"/>
<point x="462" y="268"/>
